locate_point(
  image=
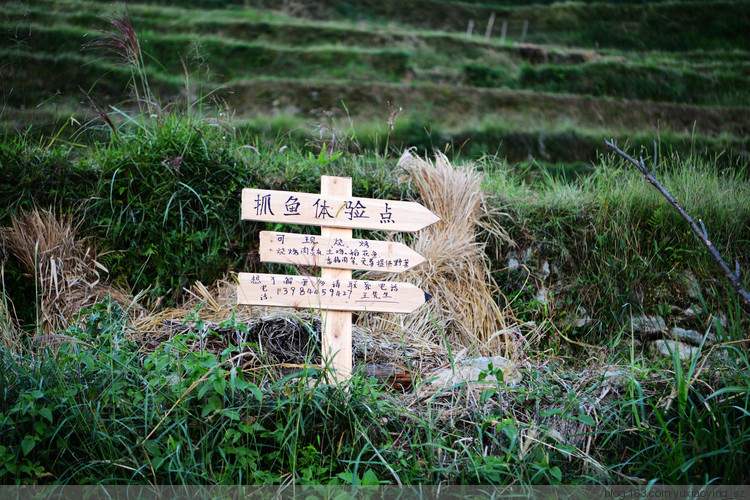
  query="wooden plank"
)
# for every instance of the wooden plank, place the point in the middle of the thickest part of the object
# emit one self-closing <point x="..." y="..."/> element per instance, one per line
<point x="320" y="293"/>
<point x="339" y="253"/>
<point x="338" y="211"/>
<point x="336" y="334"/>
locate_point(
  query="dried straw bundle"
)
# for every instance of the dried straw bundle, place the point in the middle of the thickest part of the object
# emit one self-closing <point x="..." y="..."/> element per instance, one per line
<point x="8" y="323"/>
<point x="65" y="267"/>
<point x="463" y="310"/>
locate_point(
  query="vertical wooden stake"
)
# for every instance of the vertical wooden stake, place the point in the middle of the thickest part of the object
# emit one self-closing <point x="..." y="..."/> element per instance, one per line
<point x="470" y="28"/>
<point x="337" y="325"/>
<point x="490" y="24"/>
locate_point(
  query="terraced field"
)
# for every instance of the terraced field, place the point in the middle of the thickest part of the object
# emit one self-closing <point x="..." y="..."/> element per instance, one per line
<point x="546" y="81"/>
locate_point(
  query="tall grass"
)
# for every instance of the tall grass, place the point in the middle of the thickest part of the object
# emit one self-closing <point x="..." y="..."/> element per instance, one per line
<point x="96" y="410"/>
<point x="622" y="244"/>
<point x="694" y="430"/>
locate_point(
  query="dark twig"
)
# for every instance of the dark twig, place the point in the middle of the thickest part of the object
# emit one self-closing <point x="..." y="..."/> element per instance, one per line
<point x="733" y="277"/>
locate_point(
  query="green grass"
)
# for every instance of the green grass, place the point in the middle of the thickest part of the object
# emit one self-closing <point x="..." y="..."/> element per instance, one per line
<point x="616" y="241"/>
<point x="99" y="412"/>
<point x="156" y="185"/>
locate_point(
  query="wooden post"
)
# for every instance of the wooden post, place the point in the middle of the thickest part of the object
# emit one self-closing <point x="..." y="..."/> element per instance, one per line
<point x="503" y="31"/>
<point x="336" y="333"/>
<point x="490" y="24"/>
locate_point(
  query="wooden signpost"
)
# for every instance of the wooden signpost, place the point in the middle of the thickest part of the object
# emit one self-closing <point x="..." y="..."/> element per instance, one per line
<point x="367" y="255"/>
<point x="336" y="253"/>
<point x="333" y="208"/>
<point x="331" y="294"/>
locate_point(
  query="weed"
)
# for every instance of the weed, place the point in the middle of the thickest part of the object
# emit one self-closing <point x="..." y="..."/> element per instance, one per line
<point x="122" y="45"/>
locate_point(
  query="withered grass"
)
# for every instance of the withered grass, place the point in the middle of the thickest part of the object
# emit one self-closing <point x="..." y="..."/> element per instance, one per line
<point x="8" y="321"/>
<point x="65" y="267"/>
<point x="464" y="311"/>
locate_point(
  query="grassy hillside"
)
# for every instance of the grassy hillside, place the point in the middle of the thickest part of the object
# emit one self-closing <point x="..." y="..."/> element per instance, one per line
<point x="578" y="73"/>
<point x="196" y="394"/>
<point x="268" y="78"/>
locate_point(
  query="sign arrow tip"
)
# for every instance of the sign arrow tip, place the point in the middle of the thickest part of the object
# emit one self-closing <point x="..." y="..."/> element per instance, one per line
<point x="427" y="296"/>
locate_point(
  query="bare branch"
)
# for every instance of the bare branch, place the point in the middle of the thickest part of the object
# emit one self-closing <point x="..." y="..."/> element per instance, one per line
<point x="734" y="278"/>
<point x="703" y="227"/>
<point x="644" y="169"/>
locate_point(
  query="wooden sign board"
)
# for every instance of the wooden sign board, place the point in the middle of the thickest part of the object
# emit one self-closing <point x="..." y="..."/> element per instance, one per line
<point x="340" y="253"/>
<point x="329" y="294"/>
<point x="334" y="211"/>
<point x="335" y="293"/>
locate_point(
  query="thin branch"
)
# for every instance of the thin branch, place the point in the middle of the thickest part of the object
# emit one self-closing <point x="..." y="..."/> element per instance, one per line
<point x="733" y="277"/>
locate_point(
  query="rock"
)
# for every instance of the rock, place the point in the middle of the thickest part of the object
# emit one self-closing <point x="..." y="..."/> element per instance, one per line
<point x="691" y="284"/>
<point x="615" y="374"/>
<point x="581" y="322"/>
<point x="542" y="295"/>
<point x="517" y="259"/>
<point x="721" y="319"/>
<point x="556" y="270"/>
<point x="470" y="370"/>
<point x="581" y="318"/>
<point x="648" y="324"/>
<point x="689" y="314"/>
<point x="528" y="255"/>
<point x="691" y="336"/>
<point x="545" y="270"/>
<point x="665" y="348"/>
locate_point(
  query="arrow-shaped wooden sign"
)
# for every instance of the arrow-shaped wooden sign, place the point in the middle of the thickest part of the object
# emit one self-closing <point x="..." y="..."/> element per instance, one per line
<point x="335" y="293"/>
<point x="339" y="253"/>
<point x="329" y="294"/>
<point x="334" y="211"/>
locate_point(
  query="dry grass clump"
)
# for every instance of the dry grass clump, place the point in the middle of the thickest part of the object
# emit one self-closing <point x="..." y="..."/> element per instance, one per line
<point x="65" y="267"/>
<point x="8" y="322"/>
<point x="277" y="342"/>
<point x="276" y="339"/>
<point x="463" y="311"/>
